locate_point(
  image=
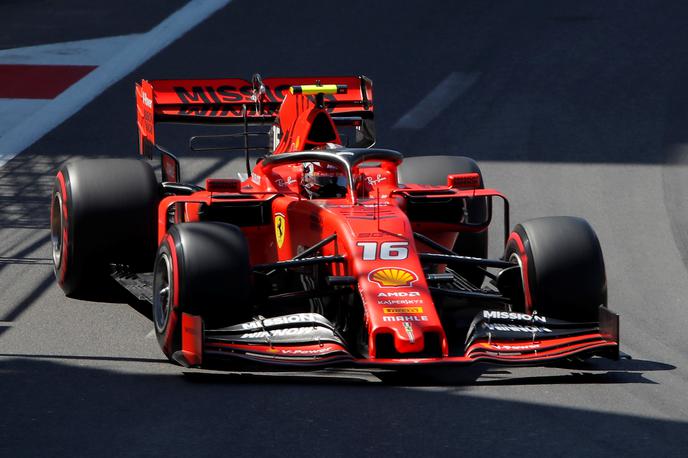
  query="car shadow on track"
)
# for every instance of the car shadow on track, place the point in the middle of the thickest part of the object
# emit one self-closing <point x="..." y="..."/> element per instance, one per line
<point x="58" y="407"/>
<point x="85" y="358"/>
<point x="107" y="291"/>
<point x="594" y="372"/>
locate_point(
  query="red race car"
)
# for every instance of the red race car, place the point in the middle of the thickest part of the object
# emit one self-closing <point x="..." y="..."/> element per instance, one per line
<point x="323" y="253"/>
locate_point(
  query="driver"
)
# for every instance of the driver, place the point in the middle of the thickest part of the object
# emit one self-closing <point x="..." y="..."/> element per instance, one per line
<point x="322" y="181"/>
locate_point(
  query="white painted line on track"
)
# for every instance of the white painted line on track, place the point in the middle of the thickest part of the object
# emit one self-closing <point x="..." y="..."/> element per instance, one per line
<point x="437" y="100"/>
<point x="82" y="53"/>
<point x="70" y="101"/>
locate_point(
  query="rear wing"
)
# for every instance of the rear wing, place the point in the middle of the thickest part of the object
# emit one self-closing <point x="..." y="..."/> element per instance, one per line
<point x="239" y="101"/>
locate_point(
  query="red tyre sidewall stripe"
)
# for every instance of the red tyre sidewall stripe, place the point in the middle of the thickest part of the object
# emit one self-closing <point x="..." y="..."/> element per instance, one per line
<point x="175" y="270"/>
<point x="173" y="318"/>
<point x="65" y="229"/>
<point x="524" y="269"/>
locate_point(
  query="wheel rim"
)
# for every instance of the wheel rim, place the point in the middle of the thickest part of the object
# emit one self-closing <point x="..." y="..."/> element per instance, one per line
<point x="56" y="229"/>
<point x="517" y="258"/>
<point x="162" y="300"/>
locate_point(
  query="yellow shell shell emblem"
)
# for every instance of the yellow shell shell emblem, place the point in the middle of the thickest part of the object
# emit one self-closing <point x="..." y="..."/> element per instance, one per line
<point x="280" y="229"/>
<point x="392" y="277"/>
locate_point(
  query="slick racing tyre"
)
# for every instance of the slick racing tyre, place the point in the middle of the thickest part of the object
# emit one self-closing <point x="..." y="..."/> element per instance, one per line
<point x="201" y="269"/>
<point x="433" y="170"/>
<point x="102" y="211"/>
<point x="562" y="267"/>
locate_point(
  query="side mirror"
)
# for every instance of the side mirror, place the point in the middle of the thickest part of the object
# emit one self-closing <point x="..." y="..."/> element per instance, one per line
<point x="170" y="170"/>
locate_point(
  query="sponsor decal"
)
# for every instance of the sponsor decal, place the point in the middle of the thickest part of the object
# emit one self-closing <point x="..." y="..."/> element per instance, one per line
<point x="285" y="183"/>
<point x="255" y="178"/>
<point x="226" y="100"/>
<point x="279" y="333"/>
<point x="399" y="294"/>
<point x="403" y="310"/>
<point x="400" y="302"/>
<point x="404" y="318"/>
<point x="229" y="94"/>
<point x="409" y="331"/>
<point x="393" y="277"/>
<point x="314" y="351"/>
<point x="146" y="101"/>
<point x="280" y="228"/>
<point x="373" y="181"/>
<point x="296" y="318"/>
<point x="533" y="346"/>
<point x="513" y="316"/>
<point x="517" y="328"/>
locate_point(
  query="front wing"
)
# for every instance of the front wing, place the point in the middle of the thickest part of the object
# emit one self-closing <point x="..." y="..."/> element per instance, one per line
<point x="309" y="339"/>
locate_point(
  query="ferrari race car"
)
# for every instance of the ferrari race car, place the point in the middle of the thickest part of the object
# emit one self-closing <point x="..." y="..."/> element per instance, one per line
<point x="325" y="250"/>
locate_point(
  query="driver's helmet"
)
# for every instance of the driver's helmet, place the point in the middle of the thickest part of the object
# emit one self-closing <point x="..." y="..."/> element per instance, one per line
<point x="321" y="181"/>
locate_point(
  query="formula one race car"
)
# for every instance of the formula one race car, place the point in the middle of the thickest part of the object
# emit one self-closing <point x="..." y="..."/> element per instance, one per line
<point x="327" y="250"/>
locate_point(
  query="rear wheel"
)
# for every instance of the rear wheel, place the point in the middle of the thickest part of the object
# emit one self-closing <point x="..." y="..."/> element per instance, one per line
<point x="562" y="267"/>
<point x="201" y="269"/>
<point x="102" y="211"/>
<point x="433" y="170"/>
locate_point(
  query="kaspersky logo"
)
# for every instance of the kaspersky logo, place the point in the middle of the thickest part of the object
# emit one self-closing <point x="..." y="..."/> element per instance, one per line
<point x="392" y="277"/>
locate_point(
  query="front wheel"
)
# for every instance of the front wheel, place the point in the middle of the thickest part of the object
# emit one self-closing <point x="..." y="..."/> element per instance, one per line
<point x="201" y="269"/>
<point x="562" y="267"/>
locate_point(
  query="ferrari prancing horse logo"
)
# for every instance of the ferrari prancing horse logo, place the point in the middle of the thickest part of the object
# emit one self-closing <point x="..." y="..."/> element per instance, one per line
<point x="280" y="228"/>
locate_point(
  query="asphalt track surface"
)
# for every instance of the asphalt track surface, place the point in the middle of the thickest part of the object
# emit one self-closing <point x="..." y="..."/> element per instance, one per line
<point x="576" y="108"/>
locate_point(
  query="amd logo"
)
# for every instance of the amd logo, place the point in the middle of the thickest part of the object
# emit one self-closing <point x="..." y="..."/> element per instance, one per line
<point x="399" y="294"/>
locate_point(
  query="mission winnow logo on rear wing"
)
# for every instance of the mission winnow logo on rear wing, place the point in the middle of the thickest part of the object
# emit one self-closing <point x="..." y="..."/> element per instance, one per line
<point x="229" y="100"/>
<point x="226" y="94"/>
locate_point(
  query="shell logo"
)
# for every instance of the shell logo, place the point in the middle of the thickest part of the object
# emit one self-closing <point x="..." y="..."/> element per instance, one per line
<point x="392" y="277"/>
